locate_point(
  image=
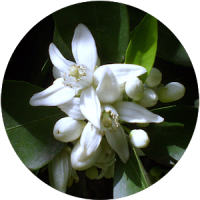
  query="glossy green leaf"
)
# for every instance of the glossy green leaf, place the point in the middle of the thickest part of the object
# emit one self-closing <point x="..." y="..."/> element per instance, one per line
<point x="169" y="140"/>
<point x="143" y="44"/>
<point x="170" y="48"/>
<point x="30" y="129"/>
<point x="108" y="22"/>
<point x="130" y="177"/>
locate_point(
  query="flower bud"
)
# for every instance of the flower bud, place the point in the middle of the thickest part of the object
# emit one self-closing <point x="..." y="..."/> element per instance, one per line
<point x="110" y="172"/>
<point x="154" y="78"/>
<point x="92" y="172"/>
<point x="139" y="138"/>
<point x="134" y="88"/>
<point x="81" y="160"/>
<point x="171" y="92"/>
<point x="149" y="98"/>
<point x="156" y="171"/>
<point x="196" y="103"/>
<point x="68" y="129"/>
<point x="60" y="170"/>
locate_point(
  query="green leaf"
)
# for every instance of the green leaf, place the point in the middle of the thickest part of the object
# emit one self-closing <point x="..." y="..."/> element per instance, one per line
<point x="143" y="44"/>
<point x="107" y="21"/>
<point x="169" y="140"/>
<point x="30" y="129"/>
<point x="130" y="177"/>
<point x="170" y="48"/>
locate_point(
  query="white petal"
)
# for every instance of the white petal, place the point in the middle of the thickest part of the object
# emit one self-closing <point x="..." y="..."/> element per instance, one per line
<point x="58" y="60"/>
<point x="57" y="73"/>
<point x="90" y="106"/>
<point x="72" y="108"/>
<point x="108" y="89"/>
<point x="118" y="141"/>
<point x="123" y="72"/>
<point x="134" y="113"/>
<point x="80" y="160"/>
<point x="67" y="129"/>
<point x="84" y="47"/>
<point x="54" y="95"/>
<point x="90" y="138"/>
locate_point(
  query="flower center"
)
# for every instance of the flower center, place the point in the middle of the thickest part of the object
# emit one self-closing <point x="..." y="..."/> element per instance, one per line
<point x="77" y="72"/>
<point x="106" y="119"/>
<point x="73" y="71"/>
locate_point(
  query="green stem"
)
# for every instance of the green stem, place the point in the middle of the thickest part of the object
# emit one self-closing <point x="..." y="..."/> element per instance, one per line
<point x="127" y="129"/>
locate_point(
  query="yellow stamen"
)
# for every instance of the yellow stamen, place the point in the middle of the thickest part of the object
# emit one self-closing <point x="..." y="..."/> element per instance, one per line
<point x="73" y="71"/>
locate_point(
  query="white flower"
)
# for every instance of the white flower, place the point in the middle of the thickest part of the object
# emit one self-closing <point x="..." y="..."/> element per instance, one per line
<point x="61" y="172"/>
<point x="99" y="90"/>
<point x="110" y="127"/>
<point x="81" y="78"/>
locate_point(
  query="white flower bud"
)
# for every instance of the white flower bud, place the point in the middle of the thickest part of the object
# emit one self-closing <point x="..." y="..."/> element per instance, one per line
<point x="171" y="92"/>
<point x="134" y="88"/>
<point x="81" y="160"/>
<point x="60" y="170"/>
<point x="149" y="98"/>
<point x="68" y="129"/>
<point x="154" y="78"/>
<point x="139" y="138"/>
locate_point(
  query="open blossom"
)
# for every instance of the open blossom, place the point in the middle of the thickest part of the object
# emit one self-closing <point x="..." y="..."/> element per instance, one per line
<point x="88" y="148"/>
<point x="80" y="77"/>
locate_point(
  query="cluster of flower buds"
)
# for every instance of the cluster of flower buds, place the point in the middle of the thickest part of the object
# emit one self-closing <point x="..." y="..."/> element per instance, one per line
<point x="95" y="99"/>
<point x="147" y="95"/>
<point x="152" y="91"/>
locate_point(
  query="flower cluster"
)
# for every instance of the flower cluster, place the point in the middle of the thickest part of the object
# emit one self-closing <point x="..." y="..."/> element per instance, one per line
<point x="97" y="100"/>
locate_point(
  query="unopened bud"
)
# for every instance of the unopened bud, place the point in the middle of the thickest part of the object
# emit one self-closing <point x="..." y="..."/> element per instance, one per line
<point x="60" y="170"/>
<point x="92" y="172"/>
<point x="149" y="98"/>
<point x="154" y="78"/>
<point x="156" y="171"/>
<point x="134" y="88"/>
<point x="139" y="138"/>
<point x="171" y="92"/>
<point x="68" y="129"/>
